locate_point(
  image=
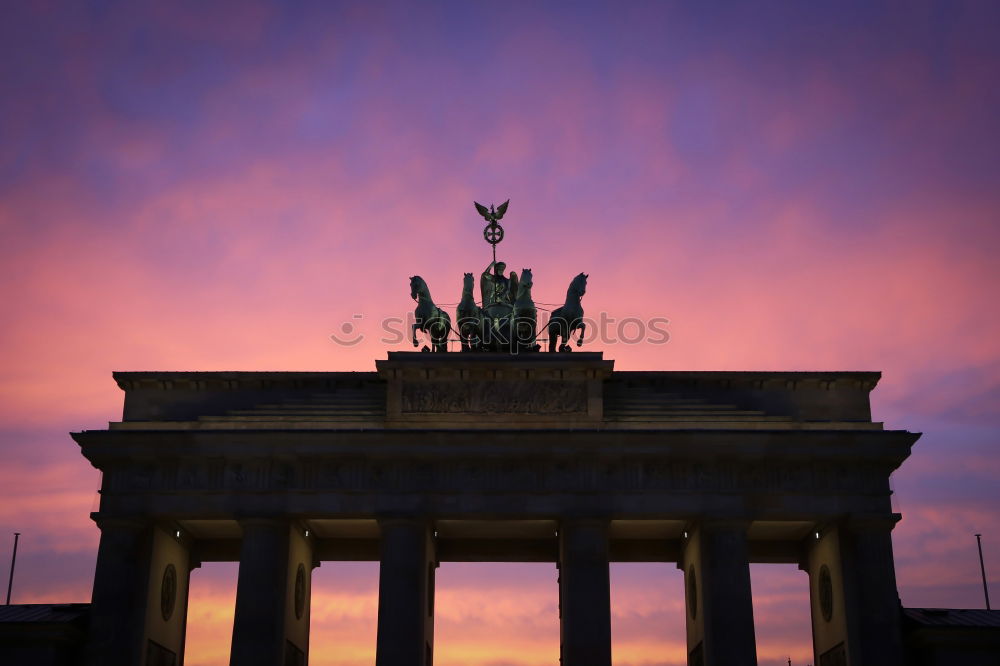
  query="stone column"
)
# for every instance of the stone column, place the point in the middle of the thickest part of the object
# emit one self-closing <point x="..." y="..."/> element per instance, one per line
<point x="716" y="568"/>
<point x="584" y="593"/>
<point x="118" y="603"/>
<point x="271" y="625"/>
<point x="405" y="594"/>
<point x="853" y="597"/>
<point x="139" y="603"/>
<point x="167" y="596"/>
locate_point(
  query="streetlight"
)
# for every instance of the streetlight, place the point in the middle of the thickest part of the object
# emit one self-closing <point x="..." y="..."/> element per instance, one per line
<point x="13" y="559"/>
<point x="982" y="569"/>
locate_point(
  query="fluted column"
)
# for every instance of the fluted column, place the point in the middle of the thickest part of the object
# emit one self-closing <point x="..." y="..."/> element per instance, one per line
<point x="139" y="602"/>
<point x="853" y="596"/>
<point x="405" y="594"/>
<point x="271" y="625"/>
<point x="584" y="593"/>
<point x="716" y="566"/>
<point x="118" y="603"/>
<point x="870" y="552"/>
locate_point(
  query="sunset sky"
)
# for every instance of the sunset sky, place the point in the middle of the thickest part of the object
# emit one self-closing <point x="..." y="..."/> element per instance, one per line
<point x="199" y="185"/>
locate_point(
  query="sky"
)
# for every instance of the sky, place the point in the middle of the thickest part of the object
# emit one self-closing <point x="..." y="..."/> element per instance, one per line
<point x="198" y="185"/>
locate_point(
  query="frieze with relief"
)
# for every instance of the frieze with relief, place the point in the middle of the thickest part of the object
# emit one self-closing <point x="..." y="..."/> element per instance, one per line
<point x="494" y="397"/>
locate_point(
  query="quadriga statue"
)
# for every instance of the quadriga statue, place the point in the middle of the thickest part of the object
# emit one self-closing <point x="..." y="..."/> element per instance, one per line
<point x="469" y="317"/>
<point x="429" y="318"/>
<point x="569" y="317"/>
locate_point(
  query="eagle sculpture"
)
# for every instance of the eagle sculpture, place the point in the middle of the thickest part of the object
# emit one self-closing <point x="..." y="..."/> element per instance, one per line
<point x="491" y="215"/>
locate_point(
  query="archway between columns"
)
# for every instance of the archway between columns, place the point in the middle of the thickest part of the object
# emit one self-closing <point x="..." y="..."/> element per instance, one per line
<point x="344" y="614"/>
<point x="211" y="606"/>
<point x="781" y="614"/>
<point x="647" y="613"/>
<point x="496" y="612"/>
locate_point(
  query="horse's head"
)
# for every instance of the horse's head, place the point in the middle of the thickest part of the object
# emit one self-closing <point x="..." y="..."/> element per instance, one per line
<point x="417" y="286"/>
<point x="525" y="280"/>
<point x="578" y="286"/>
<point x="468" y="282"/>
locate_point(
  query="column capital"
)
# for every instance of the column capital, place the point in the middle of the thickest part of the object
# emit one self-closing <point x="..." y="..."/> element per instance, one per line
<point x="711" y="528"/>
<point x="263" y="521"/>
<point x="596" y="527"/>
<point x="585" y="521"/>
<point x="583" y="537"/>
<point x="410" y="524"/>
<point x="721" y="524"/>
<point x="871" y="522"/>
<point x="134" y="523"/>
<point x="404" y="520"/>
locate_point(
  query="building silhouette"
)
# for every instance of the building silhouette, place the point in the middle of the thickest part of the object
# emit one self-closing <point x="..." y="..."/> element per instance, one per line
<point x="494" y="457"/>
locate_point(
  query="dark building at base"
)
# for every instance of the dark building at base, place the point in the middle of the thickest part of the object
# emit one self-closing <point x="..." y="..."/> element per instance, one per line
<point x="492" y="457"/>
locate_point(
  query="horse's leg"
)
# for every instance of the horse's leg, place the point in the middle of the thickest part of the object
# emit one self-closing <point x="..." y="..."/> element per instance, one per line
<point x="583" y="325"/>
<point x="415" y="328"/>
<point x="566" y="338"/>
<point x="440" y="336"/>
<point x="435" y="337"/>
<point x="447" y="330"/>
<point x="481" y="343"/>
<point x="553" y="336"/>
<point x="468" y="337"/>
<point x="528" y="342"/>
<point x="476" y="339"/>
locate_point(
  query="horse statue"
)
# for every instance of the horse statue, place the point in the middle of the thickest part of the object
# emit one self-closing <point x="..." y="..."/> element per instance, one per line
<point x="470" y="317"/>
<point x="524" y="315"/>
<point x="569" y="317"/>
<point x="429" y="318"/>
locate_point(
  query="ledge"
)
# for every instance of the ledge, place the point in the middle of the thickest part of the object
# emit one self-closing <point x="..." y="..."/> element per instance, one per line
<point x="572" y="389"/>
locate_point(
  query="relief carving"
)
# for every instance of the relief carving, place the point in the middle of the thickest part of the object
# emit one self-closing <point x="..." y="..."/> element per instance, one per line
<point x="495" y="397"/>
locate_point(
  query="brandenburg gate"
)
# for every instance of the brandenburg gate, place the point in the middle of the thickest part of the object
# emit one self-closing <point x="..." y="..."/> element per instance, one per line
<point x="486" y="457"/>
<point x="483" y="456"/>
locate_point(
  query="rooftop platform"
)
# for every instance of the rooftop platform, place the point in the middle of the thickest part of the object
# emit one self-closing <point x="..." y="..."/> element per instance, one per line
<point x="497" y="391"/>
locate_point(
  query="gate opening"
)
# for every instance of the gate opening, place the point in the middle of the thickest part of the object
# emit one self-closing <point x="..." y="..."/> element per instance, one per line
<point x="211" y="606"/>
<point x="496" y="613"/>
<point x="343" y="616"/>
<point x="781" y="614"/>
<point x="647" y="614"/>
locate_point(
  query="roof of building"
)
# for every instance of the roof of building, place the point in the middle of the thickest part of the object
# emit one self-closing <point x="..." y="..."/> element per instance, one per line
<point x="953" y="617"/>
<point x="43" y="613"/>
